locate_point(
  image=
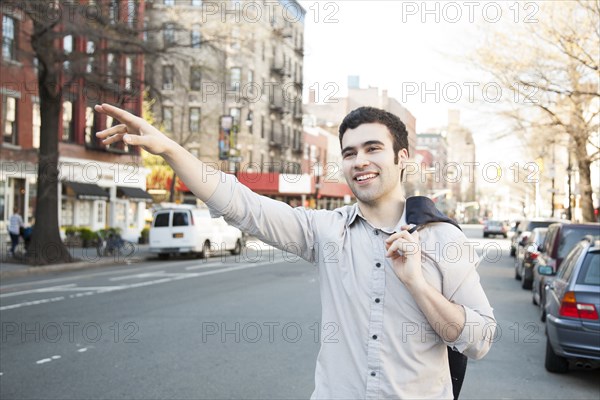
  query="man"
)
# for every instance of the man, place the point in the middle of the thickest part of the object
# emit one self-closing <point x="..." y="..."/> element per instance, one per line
<point x="394" y="312"/>
<point x="15" y="223"/>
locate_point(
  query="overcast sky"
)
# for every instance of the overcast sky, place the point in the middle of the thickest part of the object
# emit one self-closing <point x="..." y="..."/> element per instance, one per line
<point x="418" y="53"/>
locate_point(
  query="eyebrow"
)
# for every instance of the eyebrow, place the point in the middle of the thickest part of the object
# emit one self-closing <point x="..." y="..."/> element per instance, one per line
<point x="365" y="144"/>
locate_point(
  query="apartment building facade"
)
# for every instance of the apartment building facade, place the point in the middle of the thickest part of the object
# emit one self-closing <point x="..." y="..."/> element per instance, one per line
<point x="99" y="186"/>
<point x="231" y="90"/>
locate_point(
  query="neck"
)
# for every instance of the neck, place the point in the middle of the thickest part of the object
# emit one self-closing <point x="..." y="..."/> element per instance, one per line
<point x="383" y="214"/>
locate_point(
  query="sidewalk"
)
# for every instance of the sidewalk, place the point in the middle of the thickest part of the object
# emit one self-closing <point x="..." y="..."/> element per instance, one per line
<point x="11" y="267"/>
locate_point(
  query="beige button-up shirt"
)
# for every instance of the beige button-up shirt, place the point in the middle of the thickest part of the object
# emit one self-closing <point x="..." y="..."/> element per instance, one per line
<point x="378" y="344"/>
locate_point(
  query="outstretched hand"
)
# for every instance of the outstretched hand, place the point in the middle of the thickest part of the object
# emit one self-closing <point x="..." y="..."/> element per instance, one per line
<point x="133" y="131"/>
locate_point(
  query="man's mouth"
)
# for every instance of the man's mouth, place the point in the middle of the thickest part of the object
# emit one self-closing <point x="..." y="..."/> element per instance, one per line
<point x="365" y="178"/>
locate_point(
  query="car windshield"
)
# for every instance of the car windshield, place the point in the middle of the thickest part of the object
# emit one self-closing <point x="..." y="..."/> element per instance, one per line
<point x="538" y="224"/>
<point x="571" y="237"/>
<point x="590" y="271"/>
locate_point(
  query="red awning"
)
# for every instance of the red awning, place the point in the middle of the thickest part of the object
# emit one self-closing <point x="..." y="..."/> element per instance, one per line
<point x="334" y="189"/>
<point x="262" y="183"/>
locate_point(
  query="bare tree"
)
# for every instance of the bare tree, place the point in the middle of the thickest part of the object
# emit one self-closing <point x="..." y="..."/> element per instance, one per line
<point x="551" y="68"/>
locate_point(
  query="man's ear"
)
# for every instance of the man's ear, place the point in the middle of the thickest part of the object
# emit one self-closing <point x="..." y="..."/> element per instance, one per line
<point x="402" y="157"/>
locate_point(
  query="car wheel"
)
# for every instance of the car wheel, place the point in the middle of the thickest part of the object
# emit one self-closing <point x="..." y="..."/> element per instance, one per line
<point x="526" y="284"/>
<point x="513" y="251"/>
<point x="485" y="235"/>
<point x="517" y="275"/>
<point x="554" y="362"/>
<point x="163" y="256"/>
<point x="238" y="248"/>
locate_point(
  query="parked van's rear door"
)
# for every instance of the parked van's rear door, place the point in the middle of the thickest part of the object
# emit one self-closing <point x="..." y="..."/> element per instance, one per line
<point x="160" y="233"/>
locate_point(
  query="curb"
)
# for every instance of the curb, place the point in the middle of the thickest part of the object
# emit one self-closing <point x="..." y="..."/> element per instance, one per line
<point x="74" y="266"/>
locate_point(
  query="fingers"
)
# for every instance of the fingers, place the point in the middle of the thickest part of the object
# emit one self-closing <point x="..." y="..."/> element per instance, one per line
<point x="122" y="115"/>
<point x="402" y="243"/>
<point x="117" y="129"/>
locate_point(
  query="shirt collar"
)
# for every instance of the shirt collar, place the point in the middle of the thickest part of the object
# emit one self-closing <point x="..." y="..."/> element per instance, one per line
<point x="355" y="212"/>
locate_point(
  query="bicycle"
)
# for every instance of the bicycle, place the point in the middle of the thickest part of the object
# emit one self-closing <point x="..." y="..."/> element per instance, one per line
<point x="110" y="243"/>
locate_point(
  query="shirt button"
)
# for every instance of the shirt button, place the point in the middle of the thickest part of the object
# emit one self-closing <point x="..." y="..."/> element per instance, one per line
<point x="374" y="337"/>
<point x="373" y="373"/>
<point x="377" y="300"/>
<point x="378" y="265"/>
<point x="376" y="232"/>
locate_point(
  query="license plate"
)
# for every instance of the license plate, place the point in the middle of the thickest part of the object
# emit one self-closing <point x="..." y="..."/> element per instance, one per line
<point x="177" y="235"/>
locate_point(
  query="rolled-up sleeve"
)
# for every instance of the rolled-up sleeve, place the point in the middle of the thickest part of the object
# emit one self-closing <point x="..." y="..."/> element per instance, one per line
<point x="274" y="222"/>
<point x="462" y="286"/>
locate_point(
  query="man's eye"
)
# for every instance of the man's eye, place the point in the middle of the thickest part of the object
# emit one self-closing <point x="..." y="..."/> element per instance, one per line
<point x="373" y="148"/>
<point x="346" y="155"/>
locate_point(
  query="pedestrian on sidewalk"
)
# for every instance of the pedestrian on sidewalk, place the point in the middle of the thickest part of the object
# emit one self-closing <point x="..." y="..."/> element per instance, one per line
<point x="15" y="223"/>
<point x="395" y="301"/>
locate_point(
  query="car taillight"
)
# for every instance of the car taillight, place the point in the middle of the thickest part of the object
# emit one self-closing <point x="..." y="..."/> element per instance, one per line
<point x="534" y="255"/>
<point x="569" y="307"/>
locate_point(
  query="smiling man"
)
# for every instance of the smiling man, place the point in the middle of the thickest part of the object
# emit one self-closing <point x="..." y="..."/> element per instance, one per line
<point x="394" y="300"/>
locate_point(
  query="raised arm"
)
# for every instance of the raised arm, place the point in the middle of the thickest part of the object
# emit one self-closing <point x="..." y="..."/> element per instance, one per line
<point x="201" y="178"/>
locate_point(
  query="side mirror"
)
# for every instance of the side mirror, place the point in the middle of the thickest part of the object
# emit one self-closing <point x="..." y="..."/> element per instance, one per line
<point x="545" y="270"/>
<point x="523" y="241"/>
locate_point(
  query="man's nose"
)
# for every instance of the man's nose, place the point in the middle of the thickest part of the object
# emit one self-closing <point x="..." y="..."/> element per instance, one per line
<point x="361" y="161"/>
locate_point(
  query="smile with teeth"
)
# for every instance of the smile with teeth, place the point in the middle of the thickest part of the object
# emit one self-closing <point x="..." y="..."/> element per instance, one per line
<point x="365" y="177"/>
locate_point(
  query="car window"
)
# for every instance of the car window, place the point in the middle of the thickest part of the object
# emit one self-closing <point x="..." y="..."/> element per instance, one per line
<point x="548" y="239"/>
<point x="570" y="238"/>
<point x="538" y="224"/>
<point x="568" y="265"/>
<point x="161" y="220"/>
<point x="590" y="270"/>
<point x="181" y="218"/>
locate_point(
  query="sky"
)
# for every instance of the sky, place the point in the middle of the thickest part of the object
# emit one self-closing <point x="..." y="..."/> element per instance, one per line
<point x="417" y="51"/>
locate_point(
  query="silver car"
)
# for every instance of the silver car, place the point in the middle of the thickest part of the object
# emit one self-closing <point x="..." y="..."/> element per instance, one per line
<point x="572" y="304"/>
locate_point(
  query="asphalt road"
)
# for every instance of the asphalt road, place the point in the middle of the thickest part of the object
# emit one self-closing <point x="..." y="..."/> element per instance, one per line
<point x="247" y="328"/>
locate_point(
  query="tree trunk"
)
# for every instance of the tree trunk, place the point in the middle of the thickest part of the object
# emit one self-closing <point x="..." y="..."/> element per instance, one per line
<point x="172" y="188"/>
<point x="46" y="245"/>
<point x="585" y="189"/>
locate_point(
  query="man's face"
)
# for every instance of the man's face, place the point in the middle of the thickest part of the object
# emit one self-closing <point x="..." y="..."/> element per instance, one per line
<point x="368" y="162"/>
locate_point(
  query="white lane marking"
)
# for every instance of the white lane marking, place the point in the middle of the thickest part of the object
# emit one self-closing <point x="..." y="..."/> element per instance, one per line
<point x="40" y="290"/>
<point x="32" y="303"/>
<point x="82" y="350"/>
<point x="43" y="361"/>
<point x="137" y="276"/>
<point x="55" y="357"/>
<point x="139" y="284"/>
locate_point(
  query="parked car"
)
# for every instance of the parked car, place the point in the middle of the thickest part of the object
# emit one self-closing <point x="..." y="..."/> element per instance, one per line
<point x="572" y="304"/>
<point x="192" y="230"/>
<point x="527" y="258"/>
<point x="524" y="229"/>
<point x="560" y="239"/>
<point x="494" y="227"/>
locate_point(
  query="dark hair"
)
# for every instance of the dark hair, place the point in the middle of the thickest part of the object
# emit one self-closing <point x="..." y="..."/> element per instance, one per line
<point x="367" y="115"/>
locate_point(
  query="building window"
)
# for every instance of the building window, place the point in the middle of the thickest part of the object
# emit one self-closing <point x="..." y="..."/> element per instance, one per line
<point x="168" y="34"/>
<point x="8" y="38"/>
<point x="168" y="77"/>
<point x="235" y="76"/>
<point x="169" y="3"/>
<point x="90" y="49"/>
<point x="9" y="114"/>
<point x="90" y="137"/>
<point x="113" y="11"/>
<point x="195" y="120"/>
<point x="196" y="36"/>
<point x="67" y="118"/>
<point x="262" y="127"/>
<point x="128" y="72"/>
<point x="195" y="78"/>
<point x="168" y="119"/>
<point x="111" y="68"/>
<point x="250" y="82"/>
<point x="197" y="3"/>
<point x="131" y="12"/>
<point x="101" y="212"/>
<point x="68" y="49"/>
<point x="235" y="38"/>
<point x="36" y="123"/>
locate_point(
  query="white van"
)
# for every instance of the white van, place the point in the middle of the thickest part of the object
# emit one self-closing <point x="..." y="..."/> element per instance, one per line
<point x="192" y="230"/>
